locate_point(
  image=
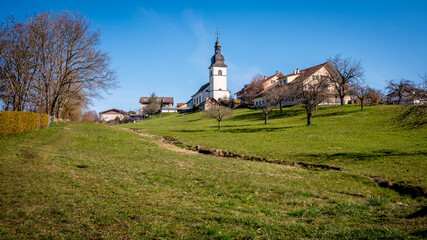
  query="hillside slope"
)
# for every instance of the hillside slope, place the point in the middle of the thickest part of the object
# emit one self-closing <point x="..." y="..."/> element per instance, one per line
<point x="90" y="181"/>
<point x="362" y="142"/>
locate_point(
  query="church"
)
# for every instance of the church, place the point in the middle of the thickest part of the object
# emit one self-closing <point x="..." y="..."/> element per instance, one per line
<point x="216" y="88"/>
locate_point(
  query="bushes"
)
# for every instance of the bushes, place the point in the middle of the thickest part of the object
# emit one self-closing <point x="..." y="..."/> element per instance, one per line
<point x="13" y="123"/>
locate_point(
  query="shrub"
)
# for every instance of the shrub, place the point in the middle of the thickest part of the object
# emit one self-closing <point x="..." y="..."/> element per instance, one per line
<point x="13" y="123"/>
<point x="44" y="120"/>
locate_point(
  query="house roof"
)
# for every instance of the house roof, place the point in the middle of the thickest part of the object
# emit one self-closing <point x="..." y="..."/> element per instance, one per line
<point x="305" y="73"/>
<point x="302" y="76"/>
<point x="213" y="100"/>
<point x="146" y="100"/>
<point x="202" y="88"/>
<point x="113" y="110"/>
<point x="262" y="81"/>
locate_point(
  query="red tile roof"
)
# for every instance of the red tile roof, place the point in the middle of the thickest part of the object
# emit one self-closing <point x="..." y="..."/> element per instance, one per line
<point x="113" y="110"/>
<point x="146" y="100"/>
<point x="302" y="76"/>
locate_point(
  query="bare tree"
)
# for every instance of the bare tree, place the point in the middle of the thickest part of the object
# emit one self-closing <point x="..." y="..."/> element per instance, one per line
<point x="17" y="64"/>
<point x="279" y="94"/>
<point x="90" y="116"/>
<point x="423" y="78"/>
<point x="267" y="108"/>
<point x="219" y="112"/>
<point x="68" y="58"/>
<point x="252" y="89"/>
<point x="310" y="95"/>
<point x="400" y="88"/>
<point x="153" y="105"/>
<point x="374" y="96"/>
<point x="349" y="72"/>
<point x="361" y="92"/>
<point x="49" y="60"/>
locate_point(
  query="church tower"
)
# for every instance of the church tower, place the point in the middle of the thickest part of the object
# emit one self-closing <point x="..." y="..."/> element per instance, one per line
<point x="218" y="75"/>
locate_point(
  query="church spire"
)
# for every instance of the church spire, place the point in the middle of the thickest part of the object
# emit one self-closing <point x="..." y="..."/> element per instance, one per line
<point x="217" y="45"/>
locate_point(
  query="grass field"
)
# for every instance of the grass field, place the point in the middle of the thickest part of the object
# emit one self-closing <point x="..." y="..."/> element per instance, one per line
<point x="361" y="142"/>
<point x="83" y="181"/>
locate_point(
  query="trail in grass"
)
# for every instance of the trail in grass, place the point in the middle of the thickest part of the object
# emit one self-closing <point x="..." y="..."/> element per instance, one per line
<point x="159" y="141"/>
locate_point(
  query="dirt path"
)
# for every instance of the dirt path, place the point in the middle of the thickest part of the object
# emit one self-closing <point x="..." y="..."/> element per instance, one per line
<point x="160" y="142"/>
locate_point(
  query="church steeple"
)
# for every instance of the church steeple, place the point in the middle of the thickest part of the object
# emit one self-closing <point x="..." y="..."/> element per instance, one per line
<point x="218" y="59"/>
<point x="218" y="74"/>
<point x="217" y="45"/>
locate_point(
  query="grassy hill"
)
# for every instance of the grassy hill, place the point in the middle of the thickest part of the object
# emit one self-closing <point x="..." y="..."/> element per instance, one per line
<point x="83" y="181"/>
<point x="361" y="142"/>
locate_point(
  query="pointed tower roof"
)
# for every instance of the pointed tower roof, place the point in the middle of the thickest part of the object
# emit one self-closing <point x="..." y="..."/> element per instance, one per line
<point x="218" y="59"/>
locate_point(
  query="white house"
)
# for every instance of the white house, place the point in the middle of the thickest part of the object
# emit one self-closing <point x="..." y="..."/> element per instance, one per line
<point x="167" y="103"/>
<point x="216" y="88"/>
<point x="112" y="114"/>
<point x="302" y="77"/>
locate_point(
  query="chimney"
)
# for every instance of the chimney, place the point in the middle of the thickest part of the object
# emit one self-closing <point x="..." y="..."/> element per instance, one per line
<point x="297" y="70"/>
<point x="277" y="72"/>
<point x="265" y="77"/>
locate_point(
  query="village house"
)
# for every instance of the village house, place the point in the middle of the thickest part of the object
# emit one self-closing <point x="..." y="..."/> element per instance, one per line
<point x="304" y="76"/>
<point x="112" y="114"/>
<point x="267" y="82"/>
<point x="167" y="103"/>
<point x="410" y="97"/>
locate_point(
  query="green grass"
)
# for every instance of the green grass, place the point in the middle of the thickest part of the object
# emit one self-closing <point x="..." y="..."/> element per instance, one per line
<point x="85" y="181"/>
<point x="361" y="142"/>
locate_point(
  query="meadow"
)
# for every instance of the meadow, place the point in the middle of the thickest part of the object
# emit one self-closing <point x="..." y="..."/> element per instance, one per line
<point x="364" y="142"/>
<point x="90" y="181"/>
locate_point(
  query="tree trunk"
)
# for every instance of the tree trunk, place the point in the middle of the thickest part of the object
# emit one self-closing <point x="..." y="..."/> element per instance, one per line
<point x="308" y="117"/>
<point x="266" y="118"/>
<point x="281" y="107"/>
<point x="219" y="125"/>
<point x="342" y="100"/>
<point x="361" y="104"/>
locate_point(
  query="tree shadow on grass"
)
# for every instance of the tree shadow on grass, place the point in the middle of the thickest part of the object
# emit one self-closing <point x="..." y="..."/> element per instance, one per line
<point x="190" y="131"/>
<point x="363" y="156"/>
<point x="252" y="130"/>
<point x="333" y="114"/>
<point x="258" y="116"/>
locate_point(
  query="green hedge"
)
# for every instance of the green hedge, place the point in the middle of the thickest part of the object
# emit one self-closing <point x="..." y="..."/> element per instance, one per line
<point x="13" y="123"/>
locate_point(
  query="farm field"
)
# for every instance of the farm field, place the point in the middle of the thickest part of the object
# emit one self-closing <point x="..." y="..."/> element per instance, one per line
<point x="365" y="143"/>
<point x="80" y="180"/>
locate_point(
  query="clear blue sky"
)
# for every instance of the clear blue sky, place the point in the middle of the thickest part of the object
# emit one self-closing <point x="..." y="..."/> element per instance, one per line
<point x="165" y="46"/>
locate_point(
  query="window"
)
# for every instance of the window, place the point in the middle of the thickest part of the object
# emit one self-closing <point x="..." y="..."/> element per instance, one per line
<point x="315" y="77"/>
<point x="323" y="77"/>
<point x="211" y="73"/>
<point x="272" y="81"/>
<point x="219" y="73"/>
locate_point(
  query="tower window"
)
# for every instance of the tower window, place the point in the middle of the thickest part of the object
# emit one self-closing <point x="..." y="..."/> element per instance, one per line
<point x="219" y="72"/>
<point x="211" y="72"/>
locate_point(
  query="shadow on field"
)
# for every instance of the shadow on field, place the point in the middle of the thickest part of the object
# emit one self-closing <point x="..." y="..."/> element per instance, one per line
<point x="190" y="131"/>
<point x="364" y="156"/>
<point x="251" y="130"/>
<point x="333" y="114"/>
<point x="258" y="116"/>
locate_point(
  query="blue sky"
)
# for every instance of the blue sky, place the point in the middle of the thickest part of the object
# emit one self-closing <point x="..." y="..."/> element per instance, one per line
<point x="165" y="46"/>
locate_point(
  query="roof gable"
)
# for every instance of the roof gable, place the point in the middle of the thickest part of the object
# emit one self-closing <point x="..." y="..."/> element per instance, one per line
<point x="201" y="89"/>
<point x="146" y="100"/>
<point x="113" y="111"/>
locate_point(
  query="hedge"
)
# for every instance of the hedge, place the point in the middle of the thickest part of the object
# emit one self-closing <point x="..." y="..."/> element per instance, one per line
<point x="13" y="123"/>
